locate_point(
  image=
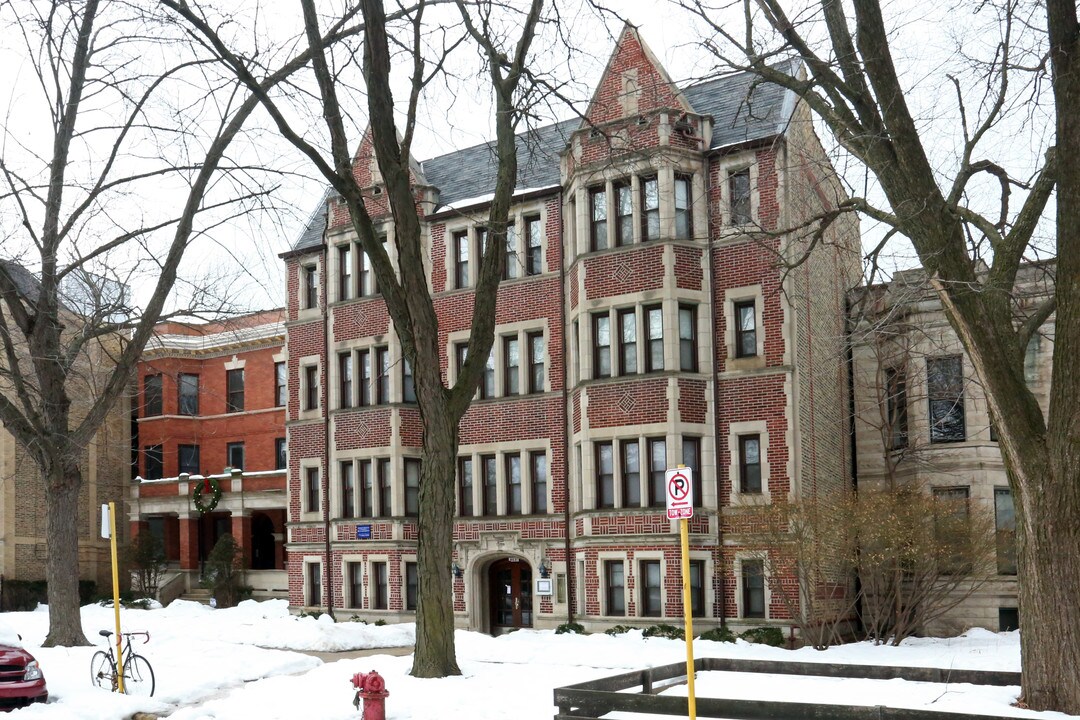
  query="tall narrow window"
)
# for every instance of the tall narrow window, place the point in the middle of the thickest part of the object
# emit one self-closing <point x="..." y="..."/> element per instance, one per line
<point x="624" y="214"/>
<point x="750" y="463"/>
<point x="481" y="248"/>
<point x="896" y="407"/>
<point x="311" y="478"/>
<point x="513" y="484"/>
<point x="364" y="363"/>
<point x="366" y="488"/>
<point x="408" y="382"/>
<point x="697" y="588"/>
<point x="344" y="272"/>
<point x="614" y="587"/>
<point x="601" y="345"/>
<point x="630" y="454"/>
<point x="412" y="583"/>
<point x="382" y="381"/>
<point x="311" y="387"/>
<point x="511" y="365"/>
<point x="487" y="383"/>
<point x="345" y="379"/>
<point x="153" y="462"/>
<point x="945" y="388"/>
<point x="952" y="529"/>
<point x="380" y="584"/>
<point x="465" y="486"/>
<point x="279" y="384"/>
<point x="461" y="259"/>
<point x="654" y="327"/>
<point x="314" y="584"/>
<point x="651" y="587"/>
<point x="234" y="455"/>
<point x="366" y="286"/>
<point x="650" y="209"/>
<point x="605" y="476"/>
<point x="281" y="454"/>
<point x="538" y="476"/>
<point x="691" y="458"/>
<point x="745" y="329"/>
<point x="598" y="221"/>
<point x="356" y="584"/>
<point x="739" y="191"/>
<point x="490" y="489"/>
<point x="1005" y="522"/>
<point x="188" y="457"/>
<point x="187" y="390"/>
<point x="348" y="490"/>
<point x="512" y="269"/>
<point x="684" y="223"/>
<point x="627" y="341"/>
<point x="536" y="361"/>
<point x="234" y="384"/>
<point x="688" y="338"/>
<point x="311" y="287"/>
<point x="386" y="482"/>
<point x="412" y="487"/>
<point x="753" y="588"/>
<point x="151" y="395"/>
<point x="461" y="352"/>
<point x="657" y="472"/>
<point x="534" y="260"/>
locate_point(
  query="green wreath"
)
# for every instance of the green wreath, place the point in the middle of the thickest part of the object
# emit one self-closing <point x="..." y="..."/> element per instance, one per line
<point x="208" y="486"/>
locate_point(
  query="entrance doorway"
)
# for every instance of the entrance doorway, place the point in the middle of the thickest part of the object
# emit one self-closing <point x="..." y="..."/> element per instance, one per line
<point x="262" y="542"/>
<point x="510" y="584"/>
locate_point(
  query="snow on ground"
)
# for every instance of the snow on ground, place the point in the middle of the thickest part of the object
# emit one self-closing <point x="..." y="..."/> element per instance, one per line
<point x="246" y="662"/>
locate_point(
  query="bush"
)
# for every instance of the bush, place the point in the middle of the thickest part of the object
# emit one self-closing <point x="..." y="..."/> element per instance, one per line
<point x="570" y="627"/>
<point x="764" y="636"/>
<point x="719" y="634"/>
<point x="145" y="557"/>
<point x="26" y="594"/>
<point x="619" y="629"/>
<point x="664" y="630"/>
<point x="224" y="574"/>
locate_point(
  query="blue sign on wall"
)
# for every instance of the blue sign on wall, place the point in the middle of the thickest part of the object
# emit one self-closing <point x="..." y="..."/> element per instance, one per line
<point x="363" y="532"/>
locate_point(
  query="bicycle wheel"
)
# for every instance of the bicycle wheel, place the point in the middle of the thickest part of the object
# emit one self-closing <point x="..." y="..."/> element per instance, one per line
<point x="138" y="676"/>
<point x="102" y="672"/>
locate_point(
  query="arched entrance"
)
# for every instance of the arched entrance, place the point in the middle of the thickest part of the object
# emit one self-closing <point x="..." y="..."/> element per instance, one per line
<point x="262" y="542"/>
<point x="510" y="598"/>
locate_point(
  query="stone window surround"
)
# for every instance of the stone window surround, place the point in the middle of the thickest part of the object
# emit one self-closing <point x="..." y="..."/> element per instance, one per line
<point x="521" y="330"/>
<point x="304" y="362"/>
<point x="397" y="482"/>
<point x="305" y="312"/>
<point x="500" y="451"/>
<point x="603" y="557"/>
<point x="731" y="297"/>
<point x="725" y="169"/>
<point x="669" y="312"/>
<point x="735" y="431"/>
<point x="348" y="559"/>
<point x="475" y="220"/>
<point x="369" y="581"/>
<point x="396" y="378"/>
<point x="382" y="229"/>
<point x="308" y="562"/>
<point x="307" y="514"/>
<point x="639" y="581"/>
<point x="739" y="558"/>
<point x="586" y="461"/>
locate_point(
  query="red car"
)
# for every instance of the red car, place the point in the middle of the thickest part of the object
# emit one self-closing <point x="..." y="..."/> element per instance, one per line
<point x="21" y="680"/>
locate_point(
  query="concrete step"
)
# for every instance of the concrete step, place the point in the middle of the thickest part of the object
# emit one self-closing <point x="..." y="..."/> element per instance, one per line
<point x="199" y="595"/>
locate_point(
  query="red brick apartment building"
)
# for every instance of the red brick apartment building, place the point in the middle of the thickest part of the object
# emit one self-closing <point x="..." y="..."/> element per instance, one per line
<point x="644" y="321"/>
<point x="211" y="403"/>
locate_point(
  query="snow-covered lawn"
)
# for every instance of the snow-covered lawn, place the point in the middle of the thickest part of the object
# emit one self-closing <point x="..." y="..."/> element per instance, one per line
<point x="243" y="663"/>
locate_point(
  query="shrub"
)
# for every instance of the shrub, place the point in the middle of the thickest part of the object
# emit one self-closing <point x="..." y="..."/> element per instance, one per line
<point x="764" y="636"/>
<point x="570" y="627"/>
<point x="719" y="634"/>
<point x="380" y="622"/>
<point x="352" y="618"/>
<point x="145" y="557"/>
<point x="665" y="631"/>
<point x="26" y="594"/>
<point x="224" y="574"/>
<point x="619" y="629"/>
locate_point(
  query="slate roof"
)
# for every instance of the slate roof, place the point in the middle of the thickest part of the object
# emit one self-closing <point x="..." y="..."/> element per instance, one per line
<point x="25" y="281"/>
<point x="742" y="112"/>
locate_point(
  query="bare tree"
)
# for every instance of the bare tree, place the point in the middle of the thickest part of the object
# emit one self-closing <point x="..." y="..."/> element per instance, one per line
<point x="853" y="85"/>
<point x="405" y="288"/>
<point x="69" y="334"/>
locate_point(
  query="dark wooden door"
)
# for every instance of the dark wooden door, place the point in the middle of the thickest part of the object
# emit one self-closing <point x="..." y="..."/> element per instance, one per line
<point x="510" y="582"/>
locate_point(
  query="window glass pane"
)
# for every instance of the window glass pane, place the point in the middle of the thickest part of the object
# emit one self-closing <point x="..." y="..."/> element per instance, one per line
<point x="602" y="348"/>
<point x="627" y="342"/>
<point x="490" y="490"/>
<point x="513" y="264"/>
<point x="511" y="370"/>
<point x="538" y="461"/>
<point x="658" y="470"/>
<point x="1005" y="521"/>
<point x="739" y="188"/>
<point x="513" y="482"/>
<point x="189" y="459"/>
<point x="631" y="485"/>
<point x="153" y="462"/>
<point x="151" y="395"/>
<point x="279" y="384"/>
<point x="536" y="362"/>
<point x="465" y="475"/>
<point x="650" y="207"/>
<point x="598" y="225"/>
<point x="188" y="392"/>
<point x="412" y="487"/>
<point x="655" y="357"/>
<point x="348" y="490"/>
<point x="945" y="388"/>
<point x="624" y="200"/>
<point x="408" y="383"/>
<point x="687" y="338"/>
<point x="534" y="259"/>
<point x="605" y="475"/>
<point x="280" y="453"/>
<point x="682" y="207"/>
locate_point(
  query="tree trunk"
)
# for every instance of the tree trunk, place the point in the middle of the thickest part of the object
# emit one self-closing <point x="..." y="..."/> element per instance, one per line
<point x="435" y="656"/>
<point x="62" y="565"/>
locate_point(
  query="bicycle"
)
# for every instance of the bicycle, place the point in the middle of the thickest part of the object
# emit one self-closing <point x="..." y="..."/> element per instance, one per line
<point x="138" y="675"/>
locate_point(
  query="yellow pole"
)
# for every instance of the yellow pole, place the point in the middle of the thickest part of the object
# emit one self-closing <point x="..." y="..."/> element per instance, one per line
<point x="116" y="598"/>
<point x="688" y="613"/>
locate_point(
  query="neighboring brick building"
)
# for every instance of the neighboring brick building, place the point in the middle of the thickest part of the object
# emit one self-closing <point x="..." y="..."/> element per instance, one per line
<point x="210" y="401"/>
<point x="645" y="321"/>
<point x="921" y="416"/>
<point x="104" y="467"/>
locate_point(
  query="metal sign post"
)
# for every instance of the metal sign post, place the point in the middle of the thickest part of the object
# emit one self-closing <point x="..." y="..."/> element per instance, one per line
<point x="108" y="529"/>
<point x="680" y="506"/>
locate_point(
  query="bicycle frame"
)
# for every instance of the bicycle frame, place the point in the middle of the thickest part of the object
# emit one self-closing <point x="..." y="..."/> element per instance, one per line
<point x="126" y="653"/>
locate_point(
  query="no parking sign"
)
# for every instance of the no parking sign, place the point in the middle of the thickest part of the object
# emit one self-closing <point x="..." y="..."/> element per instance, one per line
<point x="680" y="493"/>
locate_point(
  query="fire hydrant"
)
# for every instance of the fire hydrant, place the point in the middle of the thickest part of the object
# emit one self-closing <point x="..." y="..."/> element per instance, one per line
<point x="372" y="689"/>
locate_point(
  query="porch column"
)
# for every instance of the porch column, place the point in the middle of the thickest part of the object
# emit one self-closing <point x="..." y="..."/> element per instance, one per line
<point x="137" y="527"/>
<point x="241" y="532"/>
<point x="189" y="541"/>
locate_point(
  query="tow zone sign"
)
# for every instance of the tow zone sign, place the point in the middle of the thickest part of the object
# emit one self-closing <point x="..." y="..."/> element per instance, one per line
<point x="680" y="493"/>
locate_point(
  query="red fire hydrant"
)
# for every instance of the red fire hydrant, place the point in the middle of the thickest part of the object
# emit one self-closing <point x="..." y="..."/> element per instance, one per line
<point x="372" y="689"/>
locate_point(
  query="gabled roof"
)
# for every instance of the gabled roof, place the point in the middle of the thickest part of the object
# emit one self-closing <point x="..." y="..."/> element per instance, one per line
<point x="743" y="108"/>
